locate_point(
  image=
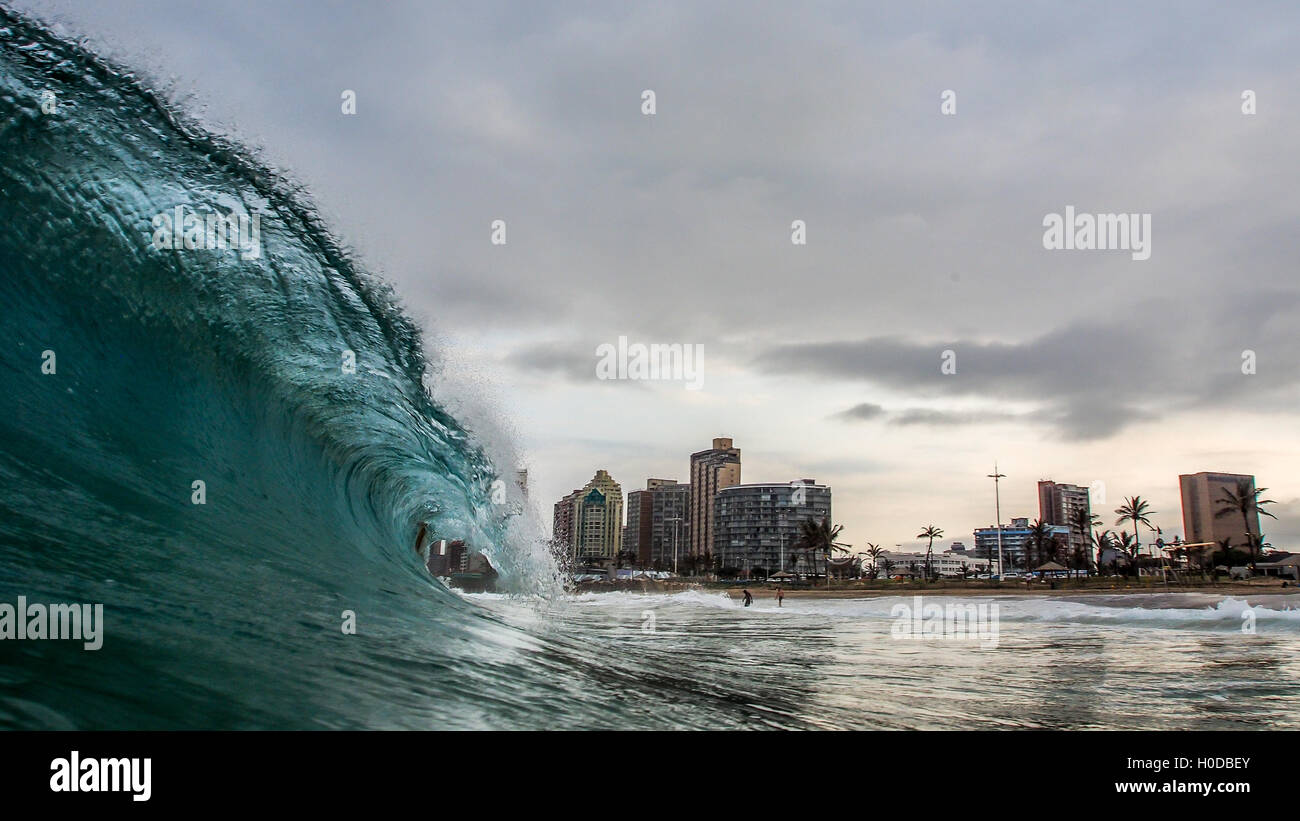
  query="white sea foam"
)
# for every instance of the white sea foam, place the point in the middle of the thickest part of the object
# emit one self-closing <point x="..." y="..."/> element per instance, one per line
<point x="1173" y="610"/>
<point x="1155" y="610"/>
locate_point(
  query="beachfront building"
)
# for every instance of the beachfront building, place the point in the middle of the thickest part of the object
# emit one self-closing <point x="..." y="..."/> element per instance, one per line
<point x="1014" y="538"/>
<point x="588" y="522"/>
<point x="756" y="526"/>
<point x="1060" y="504"/>
<point x="1284" y="565"/>
<point x="562" y="523"/>
<point x="902" y="564"/>
<point x="711" y="471"/>
<point x="1201" y="493"/>
<point x="952" y="564"/>
<point x="948" y="564"/>
<point x="658" y="524"/>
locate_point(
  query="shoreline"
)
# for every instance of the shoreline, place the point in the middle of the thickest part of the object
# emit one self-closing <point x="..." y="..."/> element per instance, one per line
<point x="1021" y="590"/>
<point x="763" y="591"/>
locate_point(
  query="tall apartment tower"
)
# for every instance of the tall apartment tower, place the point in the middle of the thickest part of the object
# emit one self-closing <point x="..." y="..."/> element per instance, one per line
<point x="589" y="521"/>
<point x="758" y="526"/>
<point x="658" y="523"/>
<point x="711" y="471"/>
<point x="1201" y="493"/>
<point x="1059" y="504"/>
<point x="562" y="522"/>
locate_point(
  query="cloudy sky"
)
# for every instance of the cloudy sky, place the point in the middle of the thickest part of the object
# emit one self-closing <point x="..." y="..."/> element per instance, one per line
<point x="924" y="230"/>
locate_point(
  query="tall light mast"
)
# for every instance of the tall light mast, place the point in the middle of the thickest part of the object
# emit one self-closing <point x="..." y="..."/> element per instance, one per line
<point x="997" y="496"/>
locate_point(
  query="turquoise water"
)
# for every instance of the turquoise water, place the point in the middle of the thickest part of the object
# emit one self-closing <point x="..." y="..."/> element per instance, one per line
<point x="179" y="366"/>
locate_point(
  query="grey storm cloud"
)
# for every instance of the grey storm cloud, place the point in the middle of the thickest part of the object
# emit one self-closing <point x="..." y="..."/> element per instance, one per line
<point x="924" y="416"/>
<point x="924" y="230"/>
<point x="1087" y="379"/>
<point x="571" y="360"/>
<point x="655" y="226"/>
<point x="865" y="410"/>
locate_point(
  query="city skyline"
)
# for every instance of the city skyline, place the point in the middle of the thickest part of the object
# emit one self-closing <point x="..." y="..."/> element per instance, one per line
<point x="1170" y="521"/>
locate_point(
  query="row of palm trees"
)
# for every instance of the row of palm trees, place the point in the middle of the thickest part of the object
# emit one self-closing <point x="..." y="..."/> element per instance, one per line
<point x="819" y="539"/>
<point x="877" y="563"/>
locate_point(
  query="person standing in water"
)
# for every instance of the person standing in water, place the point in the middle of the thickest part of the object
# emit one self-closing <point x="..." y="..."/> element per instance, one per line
<point x="749" y="599"/>
<point x="780" y="597"/>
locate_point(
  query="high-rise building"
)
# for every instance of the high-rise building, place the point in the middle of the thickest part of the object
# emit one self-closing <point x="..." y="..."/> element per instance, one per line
<point x="636" y="535"/>
<point x="658" y="522"/>
<point x="447" y="557"/>
<point x="589" y="521"/>
<point x="1201" y="493"/>
<point x="1059" y="504"/>
<point x="757" y="526"/>
<point x="711" y="471"/>
<point x="562" y="522"/>
<point x="1014" y="539"/>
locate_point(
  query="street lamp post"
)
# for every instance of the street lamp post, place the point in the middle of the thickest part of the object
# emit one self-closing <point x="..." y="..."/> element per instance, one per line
<point x="997" y="497"/>
<point x="780" y="528"/>
<point x="677" y="521"/>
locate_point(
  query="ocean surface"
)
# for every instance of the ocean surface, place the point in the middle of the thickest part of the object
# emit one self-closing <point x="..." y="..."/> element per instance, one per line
<point x="1135" y="661"/>
<point x="183" y="442"/>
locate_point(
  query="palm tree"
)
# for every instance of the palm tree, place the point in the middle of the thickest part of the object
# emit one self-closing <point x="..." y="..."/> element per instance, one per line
<point x="1126" y="544"/>
<point x="1058" y="549"/>
<point x="887" y="565"/>
<point x="1245" y="501"/>
<point x="1225" y="550"/>
<point x="1040" y="534"/>
<point x="1105" y="540"/>
<point x="931" y="532"/>
<point x="819" y="537"/>
<point x="795" y="554"/>
<point x="874" y="551"/>
<point x="1079" y="558"/>
<point x="1137" y="510"/>
<point x="1085" y="520"/>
